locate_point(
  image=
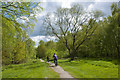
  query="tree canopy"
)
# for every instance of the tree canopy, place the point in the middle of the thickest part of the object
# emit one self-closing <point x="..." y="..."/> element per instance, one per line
<point x="17" y="47"/>
<point x="73" y="26"/>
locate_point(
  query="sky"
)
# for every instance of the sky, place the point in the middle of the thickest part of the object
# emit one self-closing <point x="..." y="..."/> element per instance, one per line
<point x="50" y="6"/>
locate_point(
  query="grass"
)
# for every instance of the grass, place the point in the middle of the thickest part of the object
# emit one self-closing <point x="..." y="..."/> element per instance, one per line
<point x="90" y="68"/>
<point x="34" y="69"/>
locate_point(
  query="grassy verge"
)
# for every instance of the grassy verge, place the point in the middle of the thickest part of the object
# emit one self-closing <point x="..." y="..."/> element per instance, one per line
<point x="90" y="68"/>
<point x="34" y="69"/>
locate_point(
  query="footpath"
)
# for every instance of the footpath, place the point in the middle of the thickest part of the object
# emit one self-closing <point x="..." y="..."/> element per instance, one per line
<point x="59" y="70"/>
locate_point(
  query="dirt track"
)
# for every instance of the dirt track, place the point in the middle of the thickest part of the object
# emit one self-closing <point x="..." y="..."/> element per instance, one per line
<point x="58" y="69"/>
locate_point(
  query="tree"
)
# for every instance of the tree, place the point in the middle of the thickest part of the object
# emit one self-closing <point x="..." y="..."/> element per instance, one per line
<point x="19" y="53"/>
<point x="14" y="11"/>
<point x="73" y="26"/>
<point x="41" y="50"/>
<point x="116" y="22"/>
<point x="13" y="47"/>
<point x="30" y="49"/>
<point x="50" y="45"/>
<point x="61" y="49"/>
<point x="8" y="33"/>
<point x="15" y="34"/>
<point x="105" y="42"/>
<point x="112" y="30"/>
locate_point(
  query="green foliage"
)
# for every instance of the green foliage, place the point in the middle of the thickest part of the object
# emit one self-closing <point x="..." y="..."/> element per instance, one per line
<point x="61" y="49"/>
<point x="30" y="49"/>
<point x="99" y="39"/>
<point x="7" y="40"/>
<point x="50" y="45"/>
<point x="41" y="50"/>
<point x="73" y="26"/>
<point x="49" y="48"/>
<point x="50" y="53"/>
<point x="17" y="47"/>
<point x="19" y="53"/>
<point x="104" y="42"/>
<point x="15" y="43"/>
<point x="17" y="9"/>
<point x="91" y="39"/>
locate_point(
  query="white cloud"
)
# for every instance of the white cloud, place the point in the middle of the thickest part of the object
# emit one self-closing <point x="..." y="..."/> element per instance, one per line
<point x="43" y="0"/>
<point x="102" y="5"/>
<point x="90" y="7"/>
<point x="59" y="0"/>
<point x="101" y="18"/>
<point x="98" y="0"/>
<point x="106" y="0"/>
<point x="79" y="0"/>
<point x="44" y="38"/>
<point x="66" y="4"/>
<point x="40" y="14"/>
<point x="22" y="19"/>
<point x="38" y="11"/>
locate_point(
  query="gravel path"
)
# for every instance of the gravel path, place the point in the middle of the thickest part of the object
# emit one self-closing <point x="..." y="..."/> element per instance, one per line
<point x="58" y="69"/>
<point x="41" y="60"/>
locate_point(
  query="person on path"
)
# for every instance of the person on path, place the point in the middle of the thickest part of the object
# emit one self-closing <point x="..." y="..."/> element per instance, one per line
<point x="47" y="58"/>
<point x="55" y="59"/>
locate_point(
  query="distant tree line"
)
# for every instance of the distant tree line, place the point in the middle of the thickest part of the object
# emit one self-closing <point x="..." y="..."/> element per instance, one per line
<point x="45" y="49"/>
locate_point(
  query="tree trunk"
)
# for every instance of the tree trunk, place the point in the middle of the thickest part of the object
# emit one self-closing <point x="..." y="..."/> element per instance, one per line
<point x="73" y="54"/>
<point x="118" y="50"/>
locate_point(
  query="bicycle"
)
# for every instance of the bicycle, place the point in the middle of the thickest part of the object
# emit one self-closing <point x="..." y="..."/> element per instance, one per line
<point x="56" y="63"/>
